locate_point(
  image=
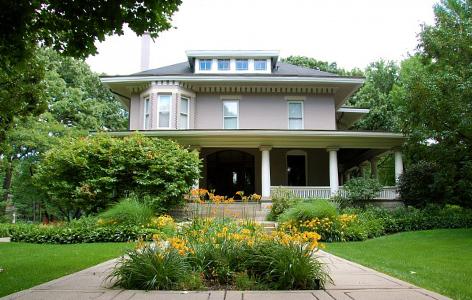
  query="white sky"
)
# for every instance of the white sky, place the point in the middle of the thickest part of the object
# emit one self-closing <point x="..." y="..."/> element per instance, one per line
<point x="351" y="33"/>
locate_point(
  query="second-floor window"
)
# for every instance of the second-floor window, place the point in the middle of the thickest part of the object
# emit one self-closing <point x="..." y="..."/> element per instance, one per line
<point x="223" y="64"/>
<point x="295" y="115"/>
<point x="184" y="110"/>
<point x="241" y="64"/>
<point x="147" y="113"/>
<point x="205" y="64"/>
<point x="164" y="102"/>
<point x="260" y="64"/>
<point x="230" y="114"/>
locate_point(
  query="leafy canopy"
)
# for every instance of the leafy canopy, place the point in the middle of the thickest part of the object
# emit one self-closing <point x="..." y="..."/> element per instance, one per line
<point x="436" y="101"/>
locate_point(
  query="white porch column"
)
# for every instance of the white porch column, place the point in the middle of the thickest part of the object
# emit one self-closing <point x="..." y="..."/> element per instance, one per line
<point x="265" y="171"/>
<point x="373" y="168"/>
<point x="398" y="164"/>
<point x="333" y="170"/>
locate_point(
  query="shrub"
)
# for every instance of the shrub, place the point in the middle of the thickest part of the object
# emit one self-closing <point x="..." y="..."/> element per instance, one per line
<point x="418" y="185"/>
<point x="358" y="191"/>
<point x="57" y="234"/>
<point x="311" y="209"/>
<point x="282" y="199"/>
<point x="129" y="211"/>
<point x="85" y="175"/>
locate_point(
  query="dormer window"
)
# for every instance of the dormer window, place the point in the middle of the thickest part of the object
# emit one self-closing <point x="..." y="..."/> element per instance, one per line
<point x="223" y="64"/>
<point x="242" y="64"/>
<point x="260" y="64"/>
<point x="205" y="64"/>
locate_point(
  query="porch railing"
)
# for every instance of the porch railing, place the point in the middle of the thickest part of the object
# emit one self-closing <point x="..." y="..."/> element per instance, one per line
<point x="324" y="192"/>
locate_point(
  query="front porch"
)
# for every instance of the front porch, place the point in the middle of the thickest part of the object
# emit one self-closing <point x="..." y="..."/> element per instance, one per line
<point x="305" y="172"/>
<point x="311" y="163"/>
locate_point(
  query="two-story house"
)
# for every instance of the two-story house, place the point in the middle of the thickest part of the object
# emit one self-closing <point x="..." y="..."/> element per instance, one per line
<point x="258" y="123"/>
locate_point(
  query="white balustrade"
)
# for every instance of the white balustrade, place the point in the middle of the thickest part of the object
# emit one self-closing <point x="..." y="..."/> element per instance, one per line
<point x="324" y="192"/>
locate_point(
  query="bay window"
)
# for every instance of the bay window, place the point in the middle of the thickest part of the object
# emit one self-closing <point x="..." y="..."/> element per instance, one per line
<point x="164" y="102"/>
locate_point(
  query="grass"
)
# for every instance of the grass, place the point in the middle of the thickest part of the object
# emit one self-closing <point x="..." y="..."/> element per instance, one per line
<point x="438" y="260"/>
<point x="26" y="265"/>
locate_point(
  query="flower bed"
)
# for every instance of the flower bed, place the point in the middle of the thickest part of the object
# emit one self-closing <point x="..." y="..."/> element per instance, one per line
<point x="361" y="224"/>
<point x="217" y="253"/>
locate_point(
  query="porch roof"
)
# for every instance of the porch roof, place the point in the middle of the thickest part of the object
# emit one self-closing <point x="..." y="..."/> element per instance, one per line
<point x="250" y="138"/>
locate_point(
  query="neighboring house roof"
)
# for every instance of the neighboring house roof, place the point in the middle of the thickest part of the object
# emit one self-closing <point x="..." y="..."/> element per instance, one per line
<point x="282" y="69"/>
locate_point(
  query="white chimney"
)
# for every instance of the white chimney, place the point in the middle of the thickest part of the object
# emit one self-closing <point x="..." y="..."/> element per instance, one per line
<point x="145" y="51"/>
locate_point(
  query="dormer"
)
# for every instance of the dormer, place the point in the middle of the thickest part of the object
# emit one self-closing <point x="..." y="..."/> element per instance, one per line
<point x="232" y="61"/>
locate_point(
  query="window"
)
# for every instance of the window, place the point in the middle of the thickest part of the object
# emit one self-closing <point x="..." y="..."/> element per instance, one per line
<point x="260" y="64"/>
<point x="241" y="64"/>
<point x="147" y="113"/>
<point x="223" y="64"/>
<point x="230" y="114"/>
<point x="205" y="64"/>
<point x="295" y="115"/>
<point x="164" y="110"/>
<point x="184" y="109"/>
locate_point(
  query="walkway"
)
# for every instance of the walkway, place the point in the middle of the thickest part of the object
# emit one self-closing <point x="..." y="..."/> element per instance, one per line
<point x="351" y="281"/>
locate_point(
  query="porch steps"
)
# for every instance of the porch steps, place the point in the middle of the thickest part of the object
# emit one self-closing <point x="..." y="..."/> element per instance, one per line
<point x="268" y="225"/>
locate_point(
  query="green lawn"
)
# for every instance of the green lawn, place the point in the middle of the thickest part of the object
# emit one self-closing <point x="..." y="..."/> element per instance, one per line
<point x="438" y="260"/>
<point x="26" y="265"/>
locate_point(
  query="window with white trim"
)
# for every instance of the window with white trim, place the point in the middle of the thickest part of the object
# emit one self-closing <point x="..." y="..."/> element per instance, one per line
<point x="164" y="102"/>
<point x="260" y="64"/>
<point x="205" y="64"/>
<point x="242" y="64"/>
<point x="223" y="64"/>
<point x="230" y="114"/>
<point x="295" y="115"/>
<point x="147" y="113"/>
<point x="184" y="111"/>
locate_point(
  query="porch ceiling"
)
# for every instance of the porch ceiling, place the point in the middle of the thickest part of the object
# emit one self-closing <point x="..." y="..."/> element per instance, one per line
<point x="277" y="138"/>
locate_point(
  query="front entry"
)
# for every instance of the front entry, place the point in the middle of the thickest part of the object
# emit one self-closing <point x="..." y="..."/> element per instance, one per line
<point x="229" y="171"/>
<point x="296" y="170"/>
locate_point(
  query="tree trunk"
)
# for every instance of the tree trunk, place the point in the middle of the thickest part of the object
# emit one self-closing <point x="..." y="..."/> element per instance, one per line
<point x="7" y="181"/>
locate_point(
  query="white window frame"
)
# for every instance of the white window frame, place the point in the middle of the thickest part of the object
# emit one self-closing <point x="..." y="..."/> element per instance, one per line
<point x="158" y="110"/>
<point x="241" y="59"/>
<point x="185" y="114"/>
<point x="260" y="60"/>
<point x="288" y="114"/>
<point x="147" y="113"/>
<point x="226" y="60"/>
<point x="237" y="115"/>
<point x="205" y="60"/>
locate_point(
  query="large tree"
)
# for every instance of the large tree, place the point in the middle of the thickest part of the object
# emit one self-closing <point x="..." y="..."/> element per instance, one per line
<point x="77" y="102"/>
<point x="69" y="27"/>
<point x="436" y="101"/>
<point x="312" y="63"/>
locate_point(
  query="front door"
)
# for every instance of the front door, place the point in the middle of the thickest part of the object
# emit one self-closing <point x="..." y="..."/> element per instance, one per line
<point x="230" y="171"/>
<point x="296" y="171"/>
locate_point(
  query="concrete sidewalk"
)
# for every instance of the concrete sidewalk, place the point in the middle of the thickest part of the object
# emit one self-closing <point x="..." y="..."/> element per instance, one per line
<point x="351" y="281"/>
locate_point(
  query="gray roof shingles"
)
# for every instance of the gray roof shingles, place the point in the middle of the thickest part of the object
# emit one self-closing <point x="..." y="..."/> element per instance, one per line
<point x="282" y="69"/>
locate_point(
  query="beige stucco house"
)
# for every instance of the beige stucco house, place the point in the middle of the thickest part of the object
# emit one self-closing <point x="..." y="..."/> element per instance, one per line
<point x="258" y="123"/>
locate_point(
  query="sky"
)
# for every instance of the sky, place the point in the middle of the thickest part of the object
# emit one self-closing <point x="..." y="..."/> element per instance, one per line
<point x="352" y="33"/>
